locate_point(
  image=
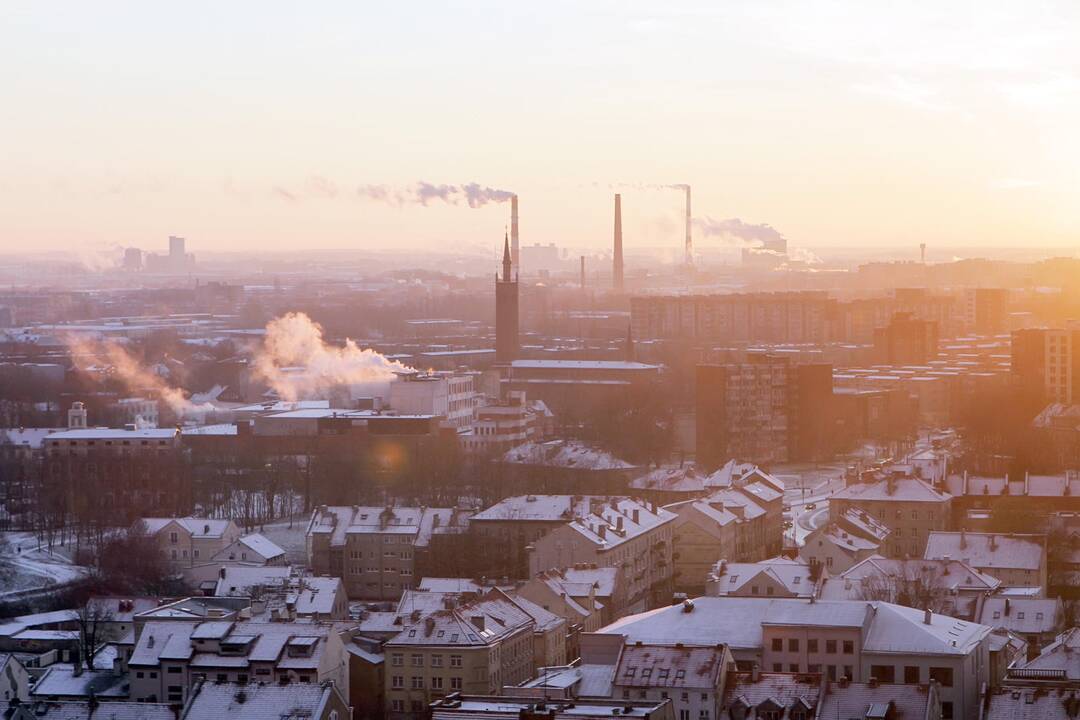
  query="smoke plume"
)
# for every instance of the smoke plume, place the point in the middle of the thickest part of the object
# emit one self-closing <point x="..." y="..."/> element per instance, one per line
<point x="743" y="233"/>
<point x="136" y="378"/>
<point x="472" y="194"/>
<point x="298" y="364"/>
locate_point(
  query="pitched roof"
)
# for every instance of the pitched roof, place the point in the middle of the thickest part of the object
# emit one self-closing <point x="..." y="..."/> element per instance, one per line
<point x="853" y="700"/>
<point x="112" y="710"/>
<point x="1063" y="654"/>
<point x="257" y="702"/>
<point x="905" y="489"/>
<point x="1025" y="616"/>
<point x="669" y="666"/>
<point x="988" y="550"/>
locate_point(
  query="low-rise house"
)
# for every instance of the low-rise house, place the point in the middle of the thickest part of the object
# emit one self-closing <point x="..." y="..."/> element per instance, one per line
<point x="190" y="541"/>
<point x="624" y="533"/>
<point x="980" y="497"/>
<point x="576" y="603"/>
<point x="873" y="700"/>
<point x="374" y="550"/>
<point x="690" y="676"/>
<point x="476" y="646"/>
<point x="212" y="701"/>
<point x="1060" y="660"/>
<point x="1014" y="702"/>
<point x="1036" y="620"/>
<point x="776" y="577"/>
<point x="857" y="640"/>
<point x="171" y="657"/>
<point x="725" y="525"/>
<point x="846" y="540"/>
<point x="14" y="680"/>
<point x="951" y="587"/>
<point x="254" y="548"/>
<point x="911" y="508"/>
<point x="1015" y="560"/>
<point x="63" y="681"/>
<point x="40" y="632"/>
<point x="754" y="694"/>
<point x="565" y="466"/>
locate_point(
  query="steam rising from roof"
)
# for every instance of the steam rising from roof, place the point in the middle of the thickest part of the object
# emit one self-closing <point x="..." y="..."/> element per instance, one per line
<point x="472" y="194"/>
<point x="297" y="362"/>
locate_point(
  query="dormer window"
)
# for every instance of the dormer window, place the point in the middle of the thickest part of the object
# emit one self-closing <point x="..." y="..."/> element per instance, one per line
<point x="303" y="646"/>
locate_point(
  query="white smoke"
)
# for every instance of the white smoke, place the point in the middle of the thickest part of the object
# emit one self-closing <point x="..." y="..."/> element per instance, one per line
<point x="744" y="233"/>
<point x="297" y="363"/>
<point x="473" y="194"/>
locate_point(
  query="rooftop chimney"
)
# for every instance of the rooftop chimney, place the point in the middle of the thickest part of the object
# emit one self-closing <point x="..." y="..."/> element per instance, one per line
<point x="617" y="255"/>
<point x="927" y="617"/>
<point x="514" y="247"/>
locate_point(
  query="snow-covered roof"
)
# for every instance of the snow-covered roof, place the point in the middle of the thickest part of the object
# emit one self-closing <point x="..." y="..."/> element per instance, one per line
<point x="318" y="595"/>
<point x="1063" y="654"/>
<point x="620" y="520"/>
<point x="988" y="550"/>
<point x="791" y="575"/>
<point x="694" y="667"/>
<point x="115" y="434"/>
<point x="241" y="579"/>
<point x="199" y="528"/>
<point x="61" y="681"/>
<point x="257" y="702"/>
<point x="338" y="521"/>
<point x="113" y="710"/>
<point x="853" y="699"/>
<point x="951" y="575"/>
<point x="598" y="365"/>
<point x="481" y="621"/>
<point x="1012" y="702"/>
<point x="685" y="479"/>
<point x="448" y="585"/>
<point x="567" y="454"/>
<point x="784" y="690"/>
<point x="262" y="545"/>
<point x="29" y="437"/>
<point x="904" y="489"/>
<point x="1025" y="616"/>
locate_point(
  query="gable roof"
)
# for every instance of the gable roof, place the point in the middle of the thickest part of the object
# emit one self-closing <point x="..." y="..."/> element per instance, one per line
<point x="988" y="550"/>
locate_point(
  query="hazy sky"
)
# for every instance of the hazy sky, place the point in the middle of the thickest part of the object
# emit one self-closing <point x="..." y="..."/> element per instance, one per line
<point x="247" y="125"/>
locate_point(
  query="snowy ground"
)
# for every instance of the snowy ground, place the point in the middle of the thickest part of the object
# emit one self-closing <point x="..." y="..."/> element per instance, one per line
<point x="291" y="540"/>
<point x="33" y="567"/>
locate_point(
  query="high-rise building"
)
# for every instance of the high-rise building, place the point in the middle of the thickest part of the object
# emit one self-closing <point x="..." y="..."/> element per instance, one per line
<point x="987" y="310"/>
<point x="176" y="249"/>
<point x="1046" y="366"/>
<point x="506" y="310"/>
<point x="906" y="340"/>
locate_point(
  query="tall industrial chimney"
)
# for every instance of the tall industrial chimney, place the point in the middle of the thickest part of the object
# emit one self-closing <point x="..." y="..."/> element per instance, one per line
<point x="515" y="257"/>
<point x="922" y="253"/>
<point x="689" y="239"/>
<point x="617" y="257"/>
<point x="582" y="272"/>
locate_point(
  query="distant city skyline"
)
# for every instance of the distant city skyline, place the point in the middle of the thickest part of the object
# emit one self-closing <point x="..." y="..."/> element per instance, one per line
<point x="247" y="127"/>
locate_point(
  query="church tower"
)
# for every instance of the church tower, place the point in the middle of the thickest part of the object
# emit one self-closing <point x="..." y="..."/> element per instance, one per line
<point x="506" y="310"/>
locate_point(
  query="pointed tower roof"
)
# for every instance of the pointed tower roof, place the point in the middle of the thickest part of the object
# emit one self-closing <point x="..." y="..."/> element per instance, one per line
<point x="506" y="258"/>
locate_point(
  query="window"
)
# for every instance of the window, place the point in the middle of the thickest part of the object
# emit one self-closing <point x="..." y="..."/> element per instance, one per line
<point x="793" y="667"/>
<point x="997" y="614"/>
<point x="848" y="673"/>
<point x="943" y="676"/>
<point x="397" y="705"/>
<point x="813" y="668"/>
<point x="436" y="683"/>
<point x="173" y="538"/>
<point x="684" y="715"/>
<point x="883" y="673"/>
<point x="946" y="711"/>
<point x="830" y="646"/>
<point x="898" y="532"/>
<point x="173" y="670"/>
<point x="777" y="645"/>
<point x="703" y="714"/>
<point x="436" y="661"/>
<point x="831" y="672"/>
<point x="455" y="683"/>
<point x="849" y="648"/>
<point x="417" y="682"/>
<point x="793" y="644"/>
<point x="828" y="561"/>
<point x="417" y="660"/>
<point x="1020" y="615"/>
<point x="778" y="667"/>
<point x="812" y="646"/>
<point x="911" y="674"/>
<point x="914" y="514"/>
<point x="397" y="681"/>
<point x="455" y="660"/>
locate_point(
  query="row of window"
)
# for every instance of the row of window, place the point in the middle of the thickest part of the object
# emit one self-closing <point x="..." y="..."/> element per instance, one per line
<point x="416" y="682"/>
<point x="417" y="660"/>
<point x="812" y="645"/>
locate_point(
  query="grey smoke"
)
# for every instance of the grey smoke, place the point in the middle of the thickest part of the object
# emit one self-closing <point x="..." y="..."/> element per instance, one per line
<point x="735" y="229"/>
<point x="424" y="193"/>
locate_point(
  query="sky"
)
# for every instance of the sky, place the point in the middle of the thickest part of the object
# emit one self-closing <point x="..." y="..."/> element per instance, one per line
<point x="253" y="125"/>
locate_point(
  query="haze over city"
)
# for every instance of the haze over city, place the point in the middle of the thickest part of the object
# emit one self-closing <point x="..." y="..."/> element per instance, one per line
<point x="550" y="361"/>
<point x="253" y="126"/>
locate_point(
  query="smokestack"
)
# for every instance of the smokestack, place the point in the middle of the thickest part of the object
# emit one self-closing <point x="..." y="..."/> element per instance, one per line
<point x="582" y="272"/>
<point x="515" y="258"/>
<point x="689" y="239"/>
<point x="922" y="253"/>
<point x="617" y="268"/>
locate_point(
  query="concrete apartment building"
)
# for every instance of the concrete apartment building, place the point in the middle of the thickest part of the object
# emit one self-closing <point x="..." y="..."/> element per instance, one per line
<point x="1015" y="560"/>
<point x="170" y="657"/>
<point x="507" y="424"/>
<point x="858" y="640"/>
<point x="451" y="395"/>
<point x="475" y="647"/>
<point x="190" y="541"/>
<point x="374" y="549"/>
<point x="911" y="508"/>
<point x="634" y="536"/>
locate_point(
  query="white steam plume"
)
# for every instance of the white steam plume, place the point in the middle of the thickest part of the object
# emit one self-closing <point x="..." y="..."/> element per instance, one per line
<point x="134" y="376"/>
<point x="298" y="364"/>
<point x="744" y="233"/>
<point x="473" y="194"/>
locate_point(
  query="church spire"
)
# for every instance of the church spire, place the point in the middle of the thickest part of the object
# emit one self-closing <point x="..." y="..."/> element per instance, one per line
<point x="506" y="258"/>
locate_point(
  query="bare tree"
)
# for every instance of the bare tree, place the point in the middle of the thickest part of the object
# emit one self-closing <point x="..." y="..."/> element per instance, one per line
<point x="914" y="586"/>
<point x="95" y="629"/>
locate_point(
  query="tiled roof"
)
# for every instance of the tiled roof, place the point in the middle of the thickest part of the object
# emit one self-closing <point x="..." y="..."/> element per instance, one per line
<point x="988" y="550"/>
